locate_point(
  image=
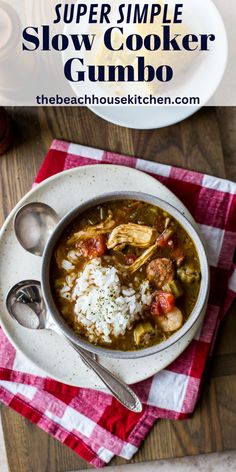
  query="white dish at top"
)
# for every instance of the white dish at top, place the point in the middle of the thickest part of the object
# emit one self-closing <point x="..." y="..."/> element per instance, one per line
<point x="46" y="349"/>
<point x="198" y="79"/>
<point x="145" y="117"/>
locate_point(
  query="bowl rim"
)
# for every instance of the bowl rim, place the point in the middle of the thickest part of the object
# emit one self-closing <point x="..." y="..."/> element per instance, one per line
<point x="193" y="231"/>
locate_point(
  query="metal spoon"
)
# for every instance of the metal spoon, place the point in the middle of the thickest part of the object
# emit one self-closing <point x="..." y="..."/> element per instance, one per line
<point x="25" y="304"/>
<point x="33" y="225"/>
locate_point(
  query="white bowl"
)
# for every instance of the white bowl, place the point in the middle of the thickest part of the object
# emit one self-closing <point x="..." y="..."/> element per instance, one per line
<point x="102" y="351"/>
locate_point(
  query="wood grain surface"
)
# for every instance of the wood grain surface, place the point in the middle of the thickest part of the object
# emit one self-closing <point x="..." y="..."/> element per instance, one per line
<point x="205" y="142"/>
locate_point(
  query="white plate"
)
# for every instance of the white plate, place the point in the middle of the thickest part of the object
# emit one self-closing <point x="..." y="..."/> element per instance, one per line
<point x="145" y="117"/>
<point x="200" y="80"/>
<point x="47" y="349"/>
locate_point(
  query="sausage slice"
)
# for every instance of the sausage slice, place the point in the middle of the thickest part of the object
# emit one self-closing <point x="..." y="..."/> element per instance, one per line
<point x="160" y="271"/>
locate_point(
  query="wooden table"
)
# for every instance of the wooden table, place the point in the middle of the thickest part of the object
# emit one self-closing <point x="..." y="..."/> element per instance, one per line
<point x="205" y="142"/>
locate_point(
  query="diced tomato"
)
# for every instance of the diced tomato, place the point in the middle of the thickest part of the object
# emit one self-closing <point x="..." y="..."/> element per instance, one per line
<point x="178" y="255"/>
<point x="130" y="258"/>
<point x="160" y="223"/>
<point x="163" y="303"/>
<point x="162" y="243"/>
<point x="94" y="247"/>
<point x="177" y="252"/>
<point x="164" y="238"/>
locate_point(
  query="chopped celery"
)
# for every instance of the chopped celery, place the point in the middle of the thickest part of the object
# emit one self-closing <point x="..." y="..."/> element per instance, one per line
<point x="143" y="332"/>
<point x="188" y="274"/>
<point x="173" y="287"/>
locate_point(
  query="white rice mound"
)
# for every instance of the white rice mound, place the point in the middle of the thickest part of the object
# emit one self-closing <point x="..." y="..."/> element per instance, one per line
<point x="102" y="305"/>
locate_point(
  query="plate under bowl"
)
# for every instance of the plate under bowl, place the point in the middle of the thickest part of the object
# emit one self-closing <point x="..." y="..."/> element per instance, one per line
<point x="45" y="352"/>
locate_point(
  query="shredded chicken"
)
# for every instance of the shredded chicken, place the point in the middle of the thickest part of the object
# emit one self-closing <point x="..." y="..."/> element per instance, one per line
<point x="150" y="251"/>
<point x="142" y="259"/>
<point x="132" y="234"/>
<point x="92" y="231"/>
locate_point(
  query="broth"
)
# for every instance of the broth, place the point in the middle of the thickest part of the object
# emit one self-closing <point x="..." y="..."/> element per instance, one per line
<point x="125" y="275"/>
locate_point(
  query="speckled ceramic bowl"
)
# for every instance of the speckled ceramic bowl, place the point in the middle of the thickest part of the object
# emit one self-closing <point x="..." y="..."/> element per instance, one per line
<point x="193" y="320"/>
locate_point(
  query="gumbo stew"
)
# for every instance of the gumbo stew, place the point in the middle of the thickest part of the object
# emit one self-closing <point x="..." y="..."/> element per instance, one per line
<point x="125" y="275"/>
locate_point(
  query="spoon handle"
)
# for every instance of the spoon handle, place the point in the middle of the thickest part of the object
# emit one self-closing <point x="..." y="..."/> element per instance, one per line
<point x="119" y="389"/>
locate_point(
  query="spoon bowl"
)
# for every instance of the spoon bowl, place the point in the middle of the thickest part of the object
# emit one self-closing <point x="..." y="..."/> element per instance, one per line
<point x="33" y="225"/>
<point x="25" y="305"/>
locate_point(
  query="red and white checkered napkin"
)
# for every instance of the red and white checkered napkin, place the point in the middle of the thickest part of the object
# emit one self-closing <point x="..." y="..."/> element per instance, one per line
<point x="92" y="423"/>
